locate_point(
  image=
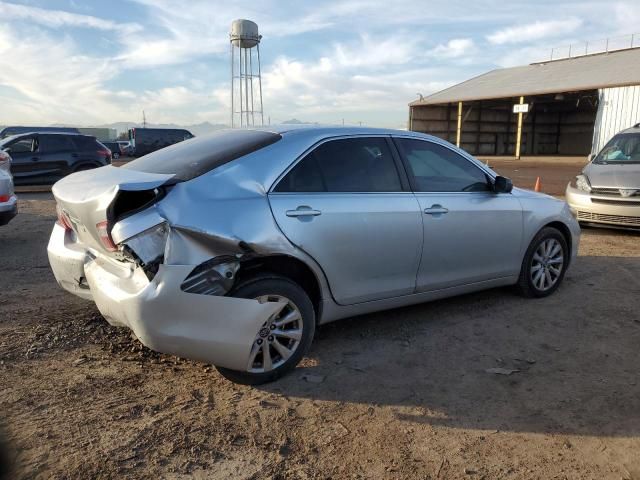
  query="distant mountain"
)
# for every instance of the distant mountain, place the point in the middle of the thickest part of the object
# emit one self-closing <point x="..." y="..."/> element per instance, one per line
<point x="196" y="129"/>
<point x="295" y="121"/>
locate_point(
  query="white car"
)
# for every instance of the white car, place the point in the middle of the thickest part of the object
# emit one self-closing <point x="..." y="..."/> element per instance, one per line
<point x="8" y="200"/>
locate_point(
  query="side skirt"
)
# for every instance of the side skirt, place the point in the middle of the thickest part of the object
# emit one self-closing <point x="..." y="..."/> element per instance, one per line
<point x="331" y="311"/>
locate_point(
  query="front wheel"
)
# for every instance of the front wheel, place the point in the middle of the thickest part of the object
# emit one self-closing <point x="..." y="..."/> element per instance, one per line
<point x="544" y="264"/>
<point x="282" y="340"/>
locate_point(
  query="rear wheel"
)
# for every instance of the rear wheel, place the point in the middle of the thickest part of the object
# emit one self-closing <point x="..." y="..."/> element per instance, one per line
<point x="281" y="341"/>
<point x="544" y="264"/>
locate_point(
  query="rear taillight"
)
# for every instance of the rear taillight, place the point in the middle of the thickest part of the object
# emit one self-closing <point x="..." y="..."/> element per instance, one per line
<point x="4" y="198"/>
<point x="105" y="237"/>
<point x="106" y="153"/>
<point x="63" y="219"/>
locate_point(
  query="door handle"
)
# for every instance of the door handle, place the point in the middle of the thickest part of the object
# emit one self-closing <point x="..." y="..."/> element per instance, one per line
<point x="436" y="210"/>
<point x="35" y="159"/>
<point x="303" y="212"/>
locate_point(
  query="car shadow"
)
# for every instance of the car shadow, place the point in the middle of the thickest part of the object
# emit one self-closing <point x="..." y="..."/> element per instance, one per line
<point x="492" y="360"/>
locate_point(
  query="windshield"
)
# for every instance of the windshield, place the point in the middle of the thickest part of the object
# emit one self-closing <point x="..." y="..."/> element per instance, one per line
<point x="623" y="148"/>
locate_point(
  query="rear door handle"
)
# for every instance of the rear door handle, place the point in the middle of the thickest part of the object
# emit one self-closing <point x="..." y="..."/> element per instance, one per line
<point x="35" y="159"/>
<point x="303" y="212"/>
<point x="436" y="210"/>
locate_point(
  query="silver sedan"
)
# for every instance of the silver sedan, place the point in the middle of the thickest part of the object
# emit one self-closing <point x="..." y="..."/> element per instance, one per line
<point x="232" y="248"/>
<point x="607" y="192"/>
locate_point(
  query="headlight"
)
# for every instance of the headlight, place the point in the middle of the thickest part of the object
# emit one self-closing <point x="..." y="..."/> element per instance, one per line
<point x="582" y="183"/>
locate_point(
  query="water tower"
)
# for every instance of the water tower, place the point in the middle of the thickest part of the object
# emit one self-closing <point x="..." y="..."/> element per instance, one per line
<point x="246" y="82"/>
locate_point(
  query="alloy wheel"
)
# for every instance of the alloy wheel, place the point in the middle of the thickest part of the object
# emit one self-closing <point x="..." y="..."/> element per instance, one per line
<point x="547" y="264"/>
<point x="278" y="338"/>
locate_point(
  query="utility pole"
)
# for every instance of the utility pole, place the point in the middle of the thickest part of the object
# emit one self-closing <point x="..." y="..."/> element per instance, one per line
<point x="144" y="120"/>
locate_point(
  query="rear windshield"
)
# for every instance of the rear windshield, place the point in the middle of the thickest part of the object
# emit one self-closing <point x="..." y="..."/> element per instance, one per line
<point x="192" y="158"/>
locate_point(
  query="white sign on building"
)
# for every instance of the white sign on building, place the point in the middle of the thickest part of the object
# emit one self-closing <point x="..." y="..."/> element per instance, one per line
<point x="521" y="108"/>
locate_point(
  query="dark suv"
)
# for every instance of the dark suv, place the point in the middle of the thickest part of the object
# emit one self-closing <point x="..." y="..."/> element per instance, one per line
<point x="47" y="157"/>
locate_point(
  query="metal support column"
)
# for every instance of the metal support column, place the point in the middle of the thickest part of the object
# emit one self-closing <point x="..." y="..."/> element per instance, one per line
<point x="459" y="133"/>
<point x="519" y="134"/>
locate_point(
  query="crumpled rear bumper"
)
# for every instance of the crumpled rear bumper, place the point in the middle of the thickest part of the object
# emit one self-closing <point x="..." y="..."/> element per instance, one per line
<point x="215" y="329"/>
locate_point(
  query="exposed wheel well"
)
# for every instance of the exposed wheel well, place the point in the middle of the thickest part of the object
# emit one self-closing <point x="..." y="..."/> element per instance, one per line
<point x="566" y="233"/>
<point x="286" y="266"/>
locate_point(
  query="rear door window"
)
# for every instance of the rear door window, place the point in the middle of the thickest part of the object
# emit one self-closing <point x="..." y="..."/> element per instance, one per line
<point x="85" y="144"/>
<point x="55" y="144"/>
<point x="345" y="165"/>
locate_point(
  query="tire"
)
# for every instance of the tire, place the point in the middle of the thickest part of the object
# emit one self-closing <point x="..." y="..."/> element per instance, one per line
<point x="277" y="288"/>
<point x="115" y="156"/>
<point x="547" y="261"/>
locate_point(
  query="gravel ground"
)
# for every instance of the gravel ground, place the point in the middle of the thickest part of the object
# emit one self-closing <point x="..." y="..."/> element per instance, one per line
<point x="398" y="394"/>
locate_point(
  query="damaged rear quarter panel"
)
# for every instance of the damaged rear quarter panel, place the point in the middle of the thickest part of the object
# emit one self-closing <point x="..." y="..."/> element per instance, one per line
<point x="227" y="212"/>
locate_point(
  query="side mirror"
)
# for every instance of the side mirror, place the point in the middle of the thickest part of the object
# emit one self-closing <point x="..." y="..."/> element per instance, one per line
<point x="502" y="185"/>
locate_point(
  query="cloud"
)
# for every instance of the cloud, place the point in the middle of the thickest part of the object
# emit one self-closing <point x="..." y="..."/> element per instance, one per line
<point x="58" y="84"/>
<point x="534" y="31"/>
<point x="59" y="18"/>
<point x="454" y="48"/>
<point x="627" y="17"/>
<point x="322" y="60"/>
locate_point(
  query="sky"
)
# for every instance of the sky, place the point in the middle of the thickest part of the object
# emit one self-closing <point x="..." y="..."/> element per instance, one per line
<point x="94" y="62"/>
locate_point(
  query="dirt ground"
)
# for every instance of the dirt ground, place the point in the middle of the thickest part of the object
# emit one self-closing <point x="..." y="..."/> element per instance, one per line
<point x="397" y="394"/>
<point x="554" y="172"/>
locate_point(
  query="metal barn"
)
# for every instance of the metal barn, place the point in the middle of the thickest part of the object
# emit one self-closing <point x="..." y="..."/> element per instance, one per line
<point x="571" y="106"/>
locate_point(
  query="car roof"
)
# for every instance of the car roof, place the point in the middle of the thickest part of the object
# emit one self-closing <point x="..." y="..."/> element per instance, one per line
<point x="315" y="130"/>
<point x="26" y="134"/>
<point x="634" y="129"/>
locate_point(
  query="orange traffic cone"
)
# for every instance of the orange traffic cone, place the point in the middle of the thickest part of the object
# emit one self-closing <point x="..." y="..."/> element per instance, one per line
<point x="538" y="186"/>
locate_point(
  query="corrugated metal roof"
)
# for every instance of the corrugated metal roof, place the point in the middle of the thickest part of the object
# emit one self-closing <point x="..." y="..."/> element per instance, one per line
<point x="589" y="72"/>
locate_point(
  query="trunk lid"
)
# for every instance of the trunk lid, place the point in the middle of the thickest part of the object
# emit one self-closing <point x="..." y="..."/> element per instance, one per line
<point x="87" y="198"/>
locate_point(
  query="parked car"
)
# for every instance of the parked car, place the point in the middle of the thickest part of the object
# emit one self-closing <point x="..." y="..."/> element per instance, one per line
<point x="147" y="140"/>
<point x="8" y="200"/>
<point x="607" y="192"/>
<point x="230" y="248"/>
<point x="10" y="131"/>
<point x="46" y="157"/>
<point x="125" y="147"/>
<point x="114" y="148"/>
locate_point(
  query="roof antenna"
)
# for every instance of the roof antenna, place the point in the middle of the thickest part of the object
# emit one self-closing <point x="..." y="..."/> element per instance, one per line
<point x="420" y="95"/>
